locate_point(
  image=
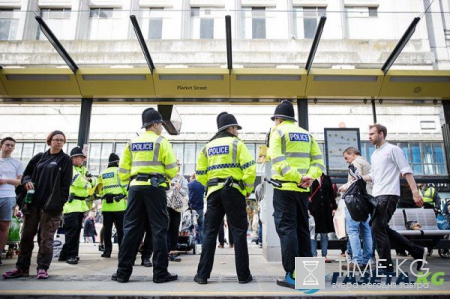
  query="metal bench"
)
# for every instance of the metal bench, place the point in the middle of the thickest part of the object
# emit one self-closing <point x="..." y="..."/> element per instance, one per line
<point x="429" y="234"/>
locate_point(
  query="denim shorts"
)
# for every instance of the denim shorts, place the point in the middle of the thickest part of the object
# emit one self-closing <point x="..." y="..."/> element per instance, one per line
<point x="7" y="205"/>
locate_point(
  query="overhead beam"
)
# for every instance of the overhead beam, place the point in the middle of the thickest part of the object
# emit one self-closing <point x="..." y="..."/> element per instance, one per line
<point x="400" y="45"/>
<point x="141" y="40"/>
<point x="57" y="45"/>
<point x="229" y="46"/>
<point x="315" y="43"/>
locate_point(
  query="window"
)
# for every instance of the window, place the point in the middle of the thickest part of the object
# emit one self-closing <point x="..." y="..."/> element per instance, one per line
<point x="203" y="23"/>
<point x="105" y="23"/>
<point x="59" y="22"/>
<point x="9" y="21"/>
<point x="258" y="22"/>
<point x="306" y="20"/>
<point x="152" y="22"/>
<point x="361" y="12"/>
<point x="98" y="157"/>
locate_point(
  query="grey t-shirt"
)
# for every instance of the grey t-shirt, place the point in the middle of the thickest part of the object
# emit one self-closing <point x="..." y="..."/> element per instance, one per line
<point x="10" y="168"/>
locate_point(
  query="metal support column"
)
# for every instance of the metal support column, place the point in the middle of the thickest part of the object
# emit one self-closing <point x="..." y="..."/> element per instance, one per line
<point x="446" y="133"/>
<point x="374" y="112"/>
<point x="85" y="122"/>
<point x="302" y="109"/>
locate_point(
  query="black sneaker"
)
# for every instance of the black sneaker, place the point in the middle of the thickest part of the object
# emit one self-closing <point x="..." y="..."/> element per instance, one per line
<point x="200" y="280"/>
<point x="107" y="255"/>
<point x="249" y="278"/>
<point x="146" y="263"/>
<point x="167" y="278"/>
<point x="174" y="258"/>
<point x="119" y="279"/>
<point x="72" y="261"/>
<point x="423" y="258"/>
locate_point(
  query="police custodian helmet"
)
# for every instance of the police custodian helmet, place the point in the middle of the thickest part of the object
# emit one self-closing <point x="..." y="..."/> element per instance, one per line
<point x="113" y="158"/>
<point x="150" y="116"/>
<point x="77" y="151"/>
<point x="226" y="120"/>
<point x="284" y="110"/>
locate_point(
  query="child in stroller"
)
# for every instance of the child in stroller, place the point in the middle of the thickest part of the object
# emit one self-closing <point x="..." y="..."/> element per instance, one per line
<point x="186" y="237"/>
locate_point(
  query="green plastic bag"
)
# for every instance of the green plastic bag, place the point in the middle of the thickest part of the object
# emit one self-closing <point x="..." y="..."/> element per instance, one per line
<point x="14" y="230"/>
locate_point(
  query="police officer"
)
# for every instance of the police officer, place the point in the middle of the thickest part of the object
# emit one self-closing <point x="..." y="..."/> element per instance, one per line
<point x="228" y="170"/>
<point x="75" y="207"/>
<point x="113" y="192"/>
<point x="296" y="163"/>
<point x="431" y="198"/>
<point x="146" y="162"/>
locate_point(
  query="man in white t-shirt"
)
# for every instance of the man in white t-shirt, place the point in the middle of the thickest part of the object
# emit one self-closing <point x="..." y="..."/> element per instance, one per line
<point x="11" y="171"/>
<point x="388" y="162"/>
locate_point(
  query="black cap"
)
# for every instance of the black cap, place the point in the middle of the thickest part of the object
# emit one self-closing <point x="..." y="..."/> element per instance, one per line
<point x="284" y="110"/>
<point x="113" y="158"/>
<point x="77" y="151"/>
<point x="151" y="116"/>
<point x="226" y="120"/>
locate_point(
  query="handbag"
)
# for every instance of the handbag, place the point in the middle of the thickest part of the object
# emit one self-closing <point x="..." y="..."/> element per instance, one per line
<point x="54" y="203"/>
<point x="176" y="201"/>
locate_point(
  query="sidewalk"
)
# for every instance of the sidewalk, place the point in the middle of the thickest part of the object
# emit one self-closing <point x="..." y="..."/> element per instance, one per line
<point x="91" y="278"/>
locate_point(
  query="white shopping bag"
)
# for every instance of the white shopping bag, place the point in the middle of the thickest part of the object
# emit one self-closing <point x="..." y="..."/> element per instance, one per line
<point x="339" y="220"/>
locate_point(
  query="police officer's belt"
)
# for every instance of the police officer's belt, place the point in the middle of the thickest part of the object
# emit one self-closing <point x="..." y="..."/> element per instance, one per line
<point x="217" y="181"/>
<point x="287" y="182"/>
<point x="110" y="197"/>
<point x="77" y="197"/>
<point x="143" y="177"/>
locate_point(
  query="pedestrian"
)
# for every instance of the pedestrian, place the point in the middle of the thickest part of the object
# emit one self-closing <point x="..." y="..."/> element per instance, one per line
<point x="227" y="168"/>
<point x="89" y="232"/>
<point x="197" y="202"/>
<point x="322" y="207"/>
<point x="114" y="202"/>
<point x="296" y="163"/>
<point x="45" y="173"/>
<point x="355" y="229"/>
<point x="11" y="171"/>
<point x="388" y="162"/>
<point x="75" y="207"/>
<point x="260" y="192"/>
<point x="179" y="189"/>
<point x="147" y="162"/>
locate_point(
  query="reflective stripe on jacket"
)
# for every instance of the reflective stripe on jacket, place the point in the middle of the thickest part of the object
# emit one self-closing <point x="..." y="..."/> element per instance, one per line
<point x="80" y="188"/>
<point x="110" y="183"/>
<point x="148" y="154"/>
<point x="225" y="157"/>
<point x="294" y="153"/>
<point x="428" y="195"/>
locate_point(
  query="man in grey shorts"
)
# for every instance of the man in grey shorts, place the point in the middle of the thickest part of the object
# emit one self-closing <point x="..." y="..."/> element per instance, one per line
<point x="11" y="171"/>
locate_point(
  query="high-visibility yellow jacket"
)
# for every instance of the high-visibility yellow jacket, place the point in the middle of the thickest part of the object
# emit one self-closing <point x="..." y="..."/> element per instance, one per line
<point x="109" y="183"/>
<point x="294" y="153"/>
<point x="148" y="154"/>
<point x="428" y="195"/>
<point x="225" y="157"/>
<point x="79" y="188"/>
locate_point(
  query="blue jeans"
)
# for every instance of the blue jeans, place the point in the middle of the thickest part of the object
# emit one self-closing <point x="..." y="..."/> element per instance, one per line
<point x="323" y="244"/>
<point x="259" y="228"/>
<point x="354" y="228"/>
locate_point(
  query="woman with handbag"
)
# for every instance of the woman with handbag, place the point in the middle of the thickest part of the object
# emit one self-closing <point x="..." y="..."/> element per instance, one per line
<point x="49" y="174"/>
<point x="176" y="201"/>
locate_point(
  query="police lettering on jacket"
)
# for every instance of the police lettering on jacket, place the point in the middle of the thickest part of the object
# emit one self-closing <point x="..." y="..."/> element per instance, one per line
<point x="142" y="146"/>
<point x="298" y="137"/>
<point x="108" y="175"/>
<point x="219" y="150"/>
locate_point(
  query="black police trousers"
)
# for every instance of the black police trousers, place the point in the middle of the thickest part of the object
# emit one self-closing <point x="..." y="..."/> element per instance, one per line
<point x="151" y="203"/>
<point x="291" y="222"/>
<point x="72" y="226"/>
<point x="232" y="203"/>
<point x="108" y="219"/>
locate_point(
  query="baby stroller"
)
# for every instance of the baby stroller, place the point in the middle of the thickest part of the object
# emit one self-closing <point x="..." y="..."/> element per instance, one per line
<point x="13" y="237"/>
<point x="443" y="223"/>
<point x="186" y="237"/>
